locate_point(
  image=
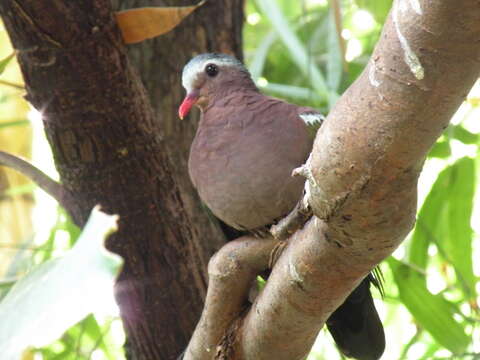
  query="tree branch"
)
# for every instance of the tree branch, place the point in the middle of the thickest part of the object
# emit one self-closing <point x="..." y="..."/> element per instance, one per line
<point x="232" y="271"/>
<point x="365" y="166"/>
<point x="44" y="182"/>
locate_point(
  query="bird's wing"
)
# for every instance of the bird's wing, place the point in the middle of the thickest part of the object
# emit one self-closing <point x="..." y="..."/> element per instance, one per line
<point x="313" y="120"/>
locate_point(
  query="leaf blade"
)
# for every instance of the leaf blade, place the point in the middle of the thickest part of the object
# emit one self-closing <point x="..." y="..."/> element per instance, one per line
<point x="38" y="323"/>
<point x="433" y="312"/>
<point x="4" y="62"/>
<point x="458" y="242"/>
<point x="145" y="23"/>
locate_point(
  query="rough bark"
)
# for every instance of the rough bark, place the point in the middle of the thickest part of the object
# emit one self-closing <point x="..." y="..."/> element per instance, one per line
<point x="110" y="147"/>
<point x="363" y="175"/>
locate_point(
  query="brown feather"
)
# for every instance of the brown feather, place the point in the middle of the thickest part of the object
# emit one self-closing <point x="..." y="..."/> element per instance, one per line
<point x="242" y="157"/>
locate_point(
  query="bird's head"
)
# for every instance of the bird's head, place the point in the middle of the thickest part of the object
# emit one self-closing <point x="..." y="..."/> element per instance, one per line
<point x="207" y="76"/>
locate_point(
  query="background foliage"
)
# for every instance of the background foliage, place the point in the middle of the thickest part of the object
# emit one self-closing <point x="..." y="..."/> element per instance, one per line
<point x="307" y="52"/>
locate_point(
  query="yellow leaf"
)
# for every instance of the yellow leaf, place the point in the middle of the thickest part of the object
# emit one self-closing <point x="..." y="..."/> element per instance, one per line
<point x="144" y="23"/>
<point x="28" y="354"/>
<point x="474" y="101"/>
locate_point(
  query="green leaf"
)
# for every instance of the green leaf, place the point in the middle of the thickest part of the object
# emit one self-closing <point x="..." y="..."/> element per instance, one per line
<point x="431" y="350"/>
<point x="432" y="312"/>
<point x="4" y="62"/>
<point x="441" y="149"/>
<point x="444" y="219"/>
<point x="260" y="56"/>
<point x="295" y="47"/>
<point x="7" y="124"/>
<point x="428" y="224"/>
<point x="457" y="244"/>
<point x="290" y="91"/>
<point x="96" y="333"/>
<point x="465" y="136"/>
<point x="20" y="189"/>
<point x="378" y="8"/>
<point x="64" y="290"/>
<point x="334" y="55"/>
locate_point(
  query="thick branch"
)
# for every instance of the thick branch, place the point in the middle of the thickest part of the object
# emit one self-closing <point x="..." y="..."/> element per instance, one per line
<point x="366" y="161"/>
<point x="232" y="271"/>
<point x="377" y="136"/>
<point x="365" y="165"/>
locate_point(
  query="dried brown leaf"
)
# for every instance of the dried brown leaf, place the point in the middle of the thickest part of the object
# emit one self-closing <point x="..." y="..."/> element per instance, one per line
<point x="140" y="24"/>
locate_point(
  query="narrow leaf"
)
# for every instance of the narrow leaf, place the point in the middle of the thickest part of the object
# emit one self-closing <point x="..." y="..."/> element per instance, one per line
<point x="60" y="292"/>
<point x="7" y="124"/>
<point x="4" y="62"/>
<point x="334" y="55"/>
<point x="457" y="245"/>
<point x="296" y="49"/>
<point x="140" y="24"/>
<point x="444" y="219"/>
<point x="433" y="312"/>
<point x="291" y="91"/>
<point x="428" y="224"/>
<point x="96" y="333"/>
<point x="260" y="56"/>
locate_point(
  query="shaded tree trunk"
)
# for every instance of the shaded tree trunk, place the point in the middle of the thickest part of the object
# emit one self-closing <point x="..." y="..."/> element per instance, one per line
<point x="111" y="147"/>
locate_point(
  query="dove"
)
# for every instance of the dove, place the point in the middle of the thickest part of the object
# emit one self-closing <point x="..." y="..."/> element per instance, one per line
<point x="241" y="160"/>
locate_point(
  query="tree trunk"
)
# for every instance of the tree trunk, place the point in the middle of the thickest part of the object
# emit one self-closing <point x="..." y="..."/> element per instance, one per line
<point x="111" y="147"/>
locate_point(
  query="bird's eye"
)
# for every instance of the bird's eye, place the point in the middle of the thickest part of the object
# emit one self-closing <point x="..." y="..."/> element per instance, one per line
<point x="211" y="70"/>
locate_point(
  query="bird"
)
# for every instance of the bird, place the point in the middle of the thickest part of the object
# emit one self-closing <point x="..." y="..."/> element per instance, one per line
<point x="241" y="160"/>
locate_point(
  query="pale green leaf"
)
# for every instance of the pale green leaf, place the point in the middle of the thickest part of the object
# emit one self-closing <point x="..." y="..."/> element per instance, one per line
<point x="296" y="92"/>
<point x="60" y="292"/>
<point x="334" y="56"/>
<point x="428" y="225"/>
<point x="260" y="56"/>
<point x="433" y="312"/>
<point x="297" y="50"/>
<point x="8" y="124"/>
<point x="378" y="8"/>
<point x="457" y="245"/>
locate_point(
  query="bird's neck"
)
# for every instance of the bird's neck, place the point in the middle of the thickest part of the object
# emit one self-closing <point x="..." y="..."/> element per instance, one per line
<point x="239" y="84"/>
<point x="231" y="92"/>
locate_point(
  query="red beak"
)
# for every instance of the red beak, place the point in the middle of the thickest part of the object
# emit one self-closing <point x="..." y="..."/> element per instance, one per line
<point x="187" y="104"/>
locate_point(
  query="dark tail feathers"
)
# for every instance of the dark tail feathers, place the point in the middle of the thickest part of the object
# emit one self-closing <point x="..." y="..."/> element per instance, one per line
<point x="356" y="326"/>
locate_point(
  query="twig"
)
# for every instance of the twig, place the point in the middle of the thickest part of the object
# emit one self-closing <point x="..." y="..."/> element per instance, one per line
<point x="292" y="222"/>
<point x="46" y="183"/>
